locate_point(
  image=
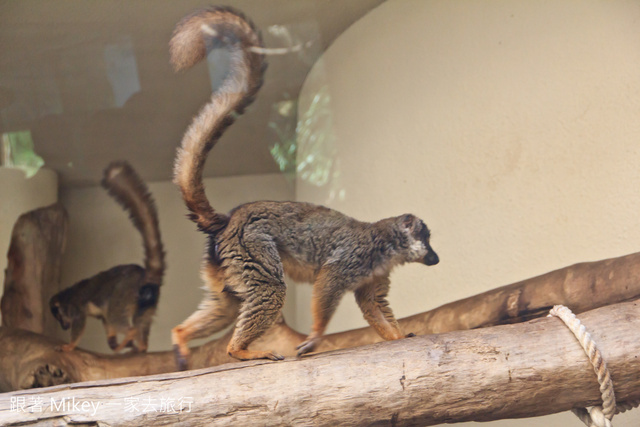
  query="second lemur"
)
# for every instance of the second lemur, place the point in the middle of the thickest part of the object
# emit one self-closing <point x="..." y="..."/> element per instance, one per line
<point x="124" y="297"/>
<point x="250" y="249"/>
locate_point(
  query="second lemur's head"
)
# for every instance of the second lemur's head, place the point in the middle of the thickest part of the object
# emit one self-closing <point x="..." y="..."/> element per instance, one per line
<point x="418" y="235"/>
<point x="62" y="310"/>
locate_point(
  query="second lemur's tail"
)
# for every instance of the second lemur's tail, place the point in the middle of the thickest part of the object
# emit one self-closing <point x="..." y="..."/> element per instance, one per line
<point x="129" y="190"/>
<point x="193" y="37"/>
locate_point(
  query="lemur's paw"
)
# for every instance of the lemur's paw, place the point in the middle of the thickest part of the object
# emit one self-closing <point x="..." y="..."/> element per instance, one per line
<point x="308" y="345"/>
<point x="181" y="360"/>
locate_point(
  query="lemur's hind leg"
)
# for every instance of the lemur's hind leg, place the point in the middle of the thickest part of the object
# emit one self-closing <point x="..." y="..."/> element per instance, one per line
<point x="264" y="295"/>
<point x="216" y="311"/>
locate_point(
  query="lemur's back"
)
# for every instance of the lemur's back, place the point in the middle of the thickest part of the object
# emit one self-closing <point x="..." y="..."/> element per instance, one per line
<point x="303" y="231"/>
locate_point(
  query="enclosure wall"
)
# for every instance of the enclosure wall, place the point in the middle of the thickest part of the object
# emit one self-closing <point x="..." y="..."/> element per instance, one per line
<point x="510" y="127"/>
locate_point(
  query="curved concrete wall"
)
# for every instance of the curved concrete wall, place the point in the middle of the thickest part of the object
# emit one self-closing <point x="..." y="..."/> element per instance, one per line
<point x="511" y="127"/>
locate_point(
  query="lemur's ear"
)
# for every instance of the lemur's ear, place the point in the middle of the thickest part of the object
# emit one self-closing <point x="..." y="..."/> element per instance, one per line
<point x="409" y="221"/>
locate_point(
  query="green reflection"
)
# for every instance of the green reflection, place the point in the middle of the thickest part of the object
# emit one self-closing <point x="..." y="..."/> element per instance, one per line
<point x="283" y="124"/>
<point x="18" y="152"/>
<point x="316" y="140"/>
<point x="309" y="149"/>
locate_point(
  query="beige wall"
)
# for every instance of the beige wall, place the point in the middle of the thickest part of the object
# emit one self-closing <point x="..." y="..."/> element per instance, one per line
<point x="101" y="236"/>
<point x="511" y="127"/>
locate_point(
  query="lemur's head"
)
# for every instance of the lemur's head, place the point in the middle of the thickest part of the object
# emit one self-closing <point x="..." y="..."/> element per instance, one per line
<point x="62" y="310"/>
<point x="419" y="249"/>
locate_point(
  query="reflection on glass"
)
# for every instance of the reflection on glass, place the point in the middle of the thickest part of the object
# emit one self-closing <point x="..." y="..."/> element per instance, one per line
<point x="218" y="62"/>
<point x="282" y="123"/>
<point x="122" y="70"/>
<point x="17" y="151"/>
<point x="317" y="153"/>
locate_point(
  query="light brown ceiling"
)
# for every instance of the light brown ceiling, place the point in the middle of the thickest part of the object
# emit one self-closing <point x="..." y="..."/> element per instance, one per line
<point x="54" y="81"/>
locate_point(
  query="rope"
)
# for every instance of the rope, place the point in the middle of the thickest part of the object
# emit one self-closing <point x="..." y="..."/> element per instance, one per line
<point x="597" y="416"/>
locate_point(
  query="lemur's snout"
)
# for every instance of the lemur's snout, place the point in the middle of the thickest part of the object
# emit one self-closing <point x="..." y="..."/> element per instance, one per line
<point x="431" y="258"/>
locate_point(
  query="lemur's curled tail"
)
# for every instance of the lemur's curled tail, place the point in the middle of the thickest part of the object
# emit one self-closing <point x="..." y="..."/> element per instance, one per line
<point x="193" y="37"/>
<point x="129" y="190"/>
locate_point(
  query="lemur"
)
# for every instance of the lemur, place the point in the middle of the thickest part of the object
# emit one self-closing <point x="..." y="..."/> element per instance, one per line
<point x="250" y="249"/>
<point x="124" y="297"/>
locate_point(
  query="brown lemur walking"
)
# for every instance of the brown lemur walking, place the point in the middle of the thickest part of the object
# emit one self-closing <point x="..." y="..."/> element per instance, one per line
<point x="250" y="249"/>
<point x="124" y="297"/>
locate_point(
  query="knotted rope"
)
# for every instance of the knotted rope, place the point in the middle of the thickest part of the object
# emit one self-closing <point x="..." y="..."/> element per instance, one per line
<point x="597" y="416"/>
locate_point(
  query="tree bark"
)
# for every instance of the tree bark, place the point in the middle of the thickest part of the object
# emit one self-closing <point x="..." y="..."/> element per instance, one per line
<point x="30" y="360"/>
<point x="33" y="268"/>
<point x="581" y="287"/>
<point x="510" y="371"/>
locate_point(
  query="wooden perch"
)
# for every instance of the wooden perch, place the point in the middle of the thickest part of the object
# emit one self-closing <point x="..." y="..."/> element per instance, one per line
<point x="581" y="287"/>
<point x="31" y="361"/>
<point x="511" y="371"/>
<point x="33" y="269"/>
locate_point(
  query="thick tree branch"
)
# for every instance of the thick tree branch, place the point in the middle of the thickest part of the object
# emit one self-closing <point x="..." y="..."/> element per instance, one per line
<point x="511" y="371"/>
<point x="33" y="268"/>
<point x="31" y="361"/>
<point x="581" y="287"/>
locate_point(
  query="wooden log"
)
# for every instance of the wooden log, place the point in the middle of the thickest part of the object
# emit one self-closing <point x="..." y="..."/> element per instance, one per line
<point x="581" y="287"/>
<point x="510" y="371"/>
<point x="33" y="268"/>
<point x="30" y="360"/>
